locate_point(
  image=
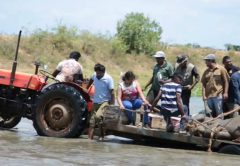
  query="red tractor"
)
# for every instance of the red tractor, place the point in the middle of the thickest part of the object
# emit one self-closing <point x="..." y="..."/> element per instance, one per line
<point x="57" y="110"/>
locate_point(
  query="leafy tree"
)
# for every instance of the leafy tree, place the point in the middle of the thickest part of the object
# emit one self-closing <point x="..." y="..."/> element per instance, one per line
<point x="193" y="45"/>
<point x="139" y="33"/>
<point x="231" y="47"/>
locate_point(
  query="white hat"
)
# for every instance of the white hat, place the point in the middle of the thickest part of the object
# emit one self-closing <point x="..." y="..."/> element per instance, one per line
<point x="159" y="54"/>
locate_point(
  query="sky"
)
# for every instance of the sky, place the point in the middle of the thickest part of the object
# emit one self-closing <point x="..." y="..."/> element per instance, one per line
<point x="210" y="23"/>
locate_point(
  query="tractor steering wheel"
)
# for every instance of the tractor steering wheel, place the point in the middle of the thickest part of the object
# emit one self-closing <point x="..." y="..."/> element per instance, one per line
<point x="47" y="75"/>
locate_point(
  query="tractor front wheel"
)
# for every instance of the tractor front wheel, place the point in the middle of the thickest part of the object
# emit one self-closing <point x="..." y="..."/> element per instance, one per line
<point x="10" y="121"/>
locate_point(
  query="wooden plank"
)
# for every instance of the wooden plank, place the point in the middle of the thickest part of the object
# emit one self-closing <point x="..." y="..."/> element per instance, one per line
<point x="163" y="135"/>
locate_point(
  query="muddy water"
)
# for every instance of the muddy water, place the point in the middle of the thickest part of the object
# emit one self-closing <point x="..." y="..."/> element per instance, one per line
<point x="22" y="146"/>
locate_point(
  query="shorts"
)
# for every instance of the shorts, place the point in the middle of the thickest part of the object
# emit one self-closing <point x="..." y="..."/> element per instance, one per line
<point x="97" y="114"/>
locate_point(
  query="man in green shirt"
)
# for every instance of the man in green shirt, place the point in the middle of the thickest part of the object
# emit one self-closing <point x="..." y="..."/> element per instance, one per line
<point x="162" y="73"/>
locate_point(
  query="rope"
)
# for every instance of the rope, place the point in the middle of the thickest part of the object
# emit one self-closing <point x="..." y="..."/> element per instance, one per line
<point x="223" y="115"/>
<point x="214" y="131"/>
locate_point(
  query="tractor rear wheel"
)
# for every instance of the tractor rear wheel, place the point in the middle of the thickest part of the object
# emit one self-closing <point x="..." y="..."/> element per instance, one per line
<point x="60" y="112"/>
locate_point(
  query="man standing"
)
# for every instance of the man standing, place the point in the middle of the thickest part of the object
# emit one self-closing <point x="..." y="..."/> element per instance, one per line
<point x="104" y="95"/>
<point x="171" y="101"/>
<point x="69" y="70"/>
<point x="227" y="62"/>
<point x="215" y="83"/>
<point x="234" y="90"/>
<point x="231" y="69"/>
<point x="187" y="71"/>
<point x="162" y="73"/>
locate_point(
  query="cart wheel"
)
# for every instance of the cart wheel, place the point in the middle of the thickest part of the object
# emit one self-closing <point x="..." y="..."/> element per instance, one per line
<point x="230" y="149"/>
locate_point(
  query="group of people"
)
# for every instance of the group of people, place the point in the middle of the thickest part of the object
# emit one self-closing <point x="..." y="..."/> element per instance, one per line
<point x="171" y="85"/>
<point x="220" y="86"/>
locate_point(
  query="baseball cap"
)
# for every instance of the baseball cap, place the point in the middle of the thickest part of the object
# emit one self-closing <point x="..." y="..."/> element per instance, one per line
<point x="210" y="57"/>
<point x="159" y="54"/>
<point x="182" y="58"/>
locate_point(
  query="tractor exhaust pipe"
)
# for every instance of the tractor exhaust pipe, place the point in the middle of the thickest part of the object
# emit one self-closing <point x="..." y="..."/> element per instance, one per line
<point x="14" y="67"/>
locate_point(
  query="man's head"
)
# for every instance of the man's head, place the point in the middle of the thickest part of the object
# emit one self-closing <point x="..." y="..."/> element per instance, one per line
<point x="210" y="60"/>
<point x="177" y="78"/>
<point x="75" y="55"/>
<point x="182" y="60"/>
<point x="227" y="62"/>
<point x="100" y="70"/>
<point x="160" y="57"/>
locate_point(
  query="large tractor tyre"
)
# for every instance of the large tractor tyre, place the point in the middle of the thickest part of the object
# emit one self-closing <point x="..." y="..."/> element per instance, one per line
<point x="10" y="121"/>
<point x="230" y="149"/>
<point x="60" y="112"/>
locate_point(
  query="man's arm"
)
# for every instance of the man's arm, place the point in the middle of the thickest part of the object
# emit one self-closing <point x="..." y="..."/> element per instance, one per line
<point x="155" y="101"/>
<point x="203" y="80"/>
<point x="112" y="101"/>
<point x="55" y="73"/>
<point x="149" y="83"/>
<point x="197" y="77"/>
<point x="225" y="78"/>
<point x="179" y="103"/>
<point x="90" y="83"/>
<point x="78" y="78"/>
<point x="165" y="81"/>
<point x="203" y="93"/>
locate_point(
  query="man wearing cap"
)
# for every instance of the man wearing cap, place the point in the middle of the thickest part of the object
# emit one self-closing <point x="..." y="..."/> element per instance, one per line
<point x="215" y="83"/>
<point x="227" y="62"/>
<point x="69" y="70"/>
<point x="187" y="71"/>
<point x="162" y="73"/>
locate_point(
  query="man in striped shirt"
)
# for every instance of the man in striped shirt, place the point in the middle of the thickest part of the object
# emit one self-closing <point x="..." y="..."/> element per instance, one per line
<point x="171" y="101"/>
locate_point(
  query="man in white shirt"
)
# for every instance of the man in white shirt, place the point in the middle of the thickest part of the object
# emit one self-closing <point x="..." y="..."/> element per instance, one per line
<point x="69" y="70"/>
<point x="104" y="95"/>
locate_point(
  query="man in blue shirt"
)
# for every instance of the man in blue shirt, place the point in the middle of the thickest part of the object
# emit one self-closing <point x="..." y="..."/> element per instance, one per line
<point x="234" y="92"/>
<point x="104" y="95"/>
<point x="227" y="62"/>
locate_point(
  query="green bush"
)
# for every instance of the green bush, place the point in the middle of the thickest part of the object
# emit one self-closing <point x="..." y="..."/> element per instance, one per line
<point x="139" y="33"/>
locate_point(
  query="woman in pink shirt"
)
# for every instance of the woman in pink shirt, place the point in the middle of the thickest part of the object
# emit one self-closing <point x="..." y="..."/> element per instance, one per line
<point x="130" y="96"/>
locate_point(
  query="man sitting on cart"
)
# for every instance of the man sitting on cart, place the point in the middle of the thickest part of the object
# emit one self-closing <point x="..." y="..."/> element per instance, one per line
<point x="171" y="101"/>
